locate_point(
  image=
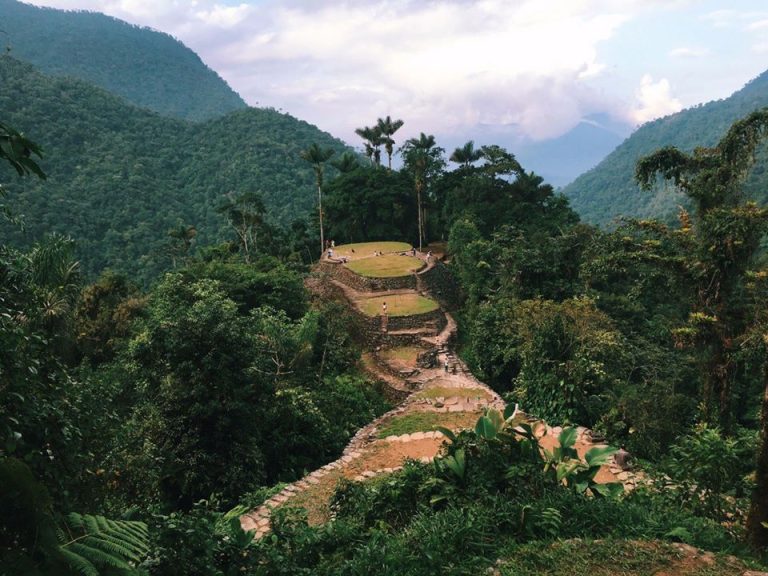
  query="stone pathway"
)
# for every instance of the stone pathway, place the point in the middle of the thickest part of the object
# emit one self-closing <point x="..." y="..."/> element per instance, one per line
<point x="453" y="399"/>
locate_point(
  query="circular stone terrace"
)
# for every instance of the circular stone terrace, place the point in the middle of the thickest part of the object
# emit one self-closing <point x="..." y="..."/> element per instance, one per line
<point x="380" y="259"/>
<point x="386" y="260"/>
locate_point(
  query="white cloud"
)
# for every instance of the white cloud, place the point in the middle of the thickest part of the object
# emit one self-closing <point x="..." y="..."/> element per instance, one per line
<point x="224" y="16"/>
<point x="688" y="52"/>
<point x="441" y="65"/>
<point x="435" y="64"/>
<point x="654" y="99"/>
<point x="721" y="18"/>
<point x="758" y="25"/>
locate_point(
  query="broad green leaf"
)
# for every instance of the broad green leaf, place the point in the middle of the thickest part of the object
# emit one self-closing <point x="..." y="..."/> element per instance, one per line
<point x="485" y="428"/>
<point x="456" y="463"/>
<point x="567" y="437"/>
<point x="495" y="417"/>
<point x="581" y="487"/>
<point x="567" y="468"/>
<point x="599" y="455"/>
<point x="447" y="433"/>
<point x="509" y="410"/>
<point x="610" y="490"/>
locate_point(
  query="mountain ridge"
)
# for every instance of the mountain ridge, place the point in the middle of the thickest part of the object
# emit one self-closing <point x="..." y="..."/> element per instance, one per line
<point x="120" y="176"/>
<point x="145" y="67"/>
<point x="608" y="190"/>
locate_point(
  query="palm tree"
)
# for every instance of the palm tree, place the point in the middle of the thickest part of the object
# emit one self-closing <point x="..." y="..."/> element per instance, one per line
<point x="317" y="157"/>
<point x="346" y="163"/>
<point x="423" y="158"/>
<point x="18" y="151"/>
<point x="466" y="155"/>
<point x="387" y="127"/>
<point x="373" y="141"/>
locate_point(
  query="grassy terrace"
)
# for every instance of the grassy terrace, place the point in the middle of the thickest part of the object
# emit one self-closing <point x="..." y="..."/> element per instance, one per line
<point x="453" y="392"/>
<point x="401" y="357"/>
<point x="398" y="304"/>
<point x="387" y="266"/>
<point x="365" y="249"/>
<point x="426" y="422"/>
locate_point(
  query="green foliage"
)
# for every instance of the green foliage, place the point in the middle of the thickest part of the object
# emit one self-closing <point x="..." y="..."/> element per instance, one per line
<point x="490" y="202"/>
<point x="120" y="177"/>
<point x="367" y="204"/>
<point x="34" y="540"/>
<point x="104" y="313"/>
<point x="201" y="542"/>
<point x="563" y="358"/>
<point x="565" y="465"/>
<point x="263" y="282"/>
<point x="92" y="543"/>
<point x="711" y="470"/>
<point x="18" y="150"/>
<point x="145" y="67"/>
<point x="220" y="392"/>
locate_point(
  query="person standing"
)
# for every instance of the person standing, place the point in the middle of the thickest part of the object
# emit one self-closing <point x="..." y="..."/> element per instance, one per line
<point x="384" y="317"/>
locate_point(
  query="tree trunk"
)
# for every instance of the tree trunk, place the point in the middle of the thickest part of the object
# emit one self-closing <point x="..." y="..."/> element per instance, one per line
<point x="418" y="209"/>
<point x="758" y="510"/>
<point x="320" y="210"/>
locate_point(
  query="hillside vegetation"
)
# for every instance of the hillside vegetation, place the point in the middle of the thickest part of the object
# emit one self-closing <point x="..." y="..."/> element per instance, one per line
<point x="148" y="68"/>
<point x="120" y="177"/>
<point x="150" y="430"/>
<point x="609" y="190"/>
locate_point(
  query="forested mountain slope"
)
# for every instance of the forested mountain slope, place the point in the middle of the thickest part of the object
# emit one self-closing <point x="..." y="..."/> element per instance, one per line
<point x="119" y="176"/>
<point x="148" y="68"/>
<point x="609" y="191"/>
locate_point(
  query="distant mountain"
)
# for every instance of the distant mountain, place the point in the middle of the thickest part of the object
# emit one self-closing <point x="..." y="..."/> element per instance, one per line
<point x="148" y="68"/>
<point x="120" y="176"/>
<point x="558" y="160"/>
<point x="609" y="191"/>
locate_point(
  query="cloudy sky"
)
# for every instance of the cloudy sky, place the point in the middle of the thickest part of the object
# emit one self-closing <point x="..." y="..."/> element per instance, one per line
<point x="445" y="66"/>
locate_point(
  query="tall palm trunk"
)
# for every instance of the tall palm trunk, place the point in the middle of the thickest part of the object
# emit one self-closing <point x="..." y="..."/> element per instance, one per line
<point x="320" y="211"/>
<point x="758" y="511"/>
<point x="419" y="186"/>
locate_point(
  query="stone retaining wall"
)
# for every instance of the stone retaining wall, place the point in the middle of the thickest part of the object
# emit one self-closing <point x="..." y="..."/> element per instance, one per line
<point x="435" y="319"/>
<point x="392" y="394"/>
<point x="373" y="336"/>
<point x="441" y="285"/>
<point x="340" y="272"/>
<point x="393" y="340"/>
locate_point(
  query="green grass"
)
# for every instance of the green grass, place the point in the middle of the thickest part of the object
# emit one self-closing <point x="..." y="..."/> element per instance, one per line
<point x="451" y="392"/>
<point x="398" y="305"/>
<point x="364" y="249"/>
<point x="608" y="558"/>
<point x="427" y="421"/>
<point x="387" y="266"/>
<point x="403" y="355"/>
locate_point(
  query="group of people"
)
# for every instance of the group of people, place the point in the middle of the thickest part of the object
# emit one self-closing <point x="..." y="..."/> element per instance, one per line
<point x="330" y="246"/>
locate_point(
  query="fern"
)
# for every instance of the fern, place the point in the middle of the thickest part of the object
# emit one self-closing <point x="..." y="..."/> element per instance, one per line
<point x="91" y="543"/>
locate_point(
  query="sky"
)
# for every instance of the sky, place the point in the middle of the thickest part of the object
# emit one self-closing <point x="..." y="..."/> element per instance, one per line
<point x="446" y="66"/>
